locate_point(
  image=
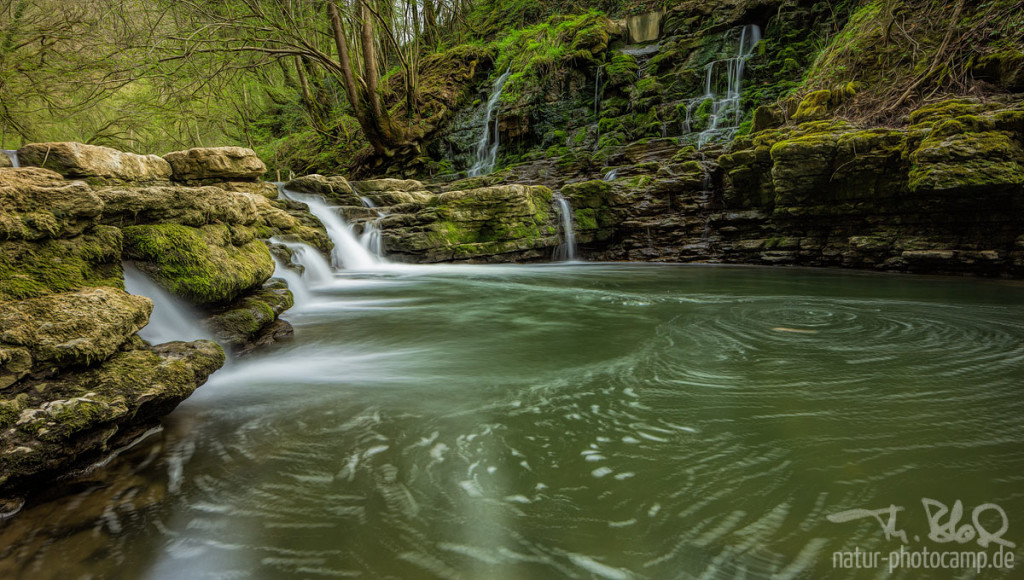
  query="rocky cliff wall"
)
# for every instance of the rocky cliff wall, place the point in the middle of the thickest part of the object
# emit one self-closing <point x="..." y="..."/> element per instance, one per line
<point x="76" y="381"/>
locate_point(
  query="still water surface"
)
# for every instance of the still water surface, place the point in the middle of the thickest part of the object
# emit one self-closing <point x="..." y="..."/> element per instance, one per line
<point x="570" y="421"/>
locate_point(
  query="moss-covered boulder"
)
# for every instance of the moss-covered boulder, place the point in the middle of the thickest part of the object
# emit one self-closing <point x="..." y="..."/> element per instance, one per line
<point x="36" y="268"/>
<point x="241" y="324"/>
<point x="49" y="427"/>
<point x="506" y="222"/>
<point x="95" y="163"/>
<point x="215" y="163"/>
<point x="211" y="265"/>
<point x="72" y="328"/>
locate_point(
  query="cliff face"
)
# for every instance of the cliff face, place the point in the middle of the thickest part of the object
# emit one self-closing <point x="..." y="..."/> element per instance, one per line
<point x="76" y="381"/>
<point x="770" y="132"/>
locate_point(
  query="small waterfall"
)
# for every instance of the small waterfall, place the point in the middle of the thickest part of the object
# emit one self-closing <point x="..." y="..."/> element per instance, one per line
<point x="315" y="269"/>
<point x="611" y="175"/>
<point x="172" y="318"/>
<point x="566" y="252"/>
<point x="348" y="252"/>
<point x="486" y="147"/>
<point x="12" y="154"/>
<point x="726" y="110"/>
<point x="371" y="238"/>
<point x="597" y="94"/>
<point x="300" y="289"/>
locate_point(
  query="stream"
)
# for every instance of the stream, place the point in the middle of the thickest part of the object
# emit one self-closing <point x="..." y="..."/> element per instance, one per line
<point x="568" y="421"/>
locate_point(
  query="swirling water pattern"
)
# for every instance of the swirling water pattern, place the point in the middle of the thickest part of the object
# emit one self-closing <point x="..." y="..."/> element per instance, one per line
<point x="567" y="422"/>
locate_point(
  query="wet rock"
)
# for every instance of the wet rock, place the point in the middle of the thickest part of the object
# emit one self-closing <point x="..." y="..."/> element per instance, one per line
<point x="238" y="326"/>
<point x="506" y="222"/>
<point x="215" y="163"/>
<point x="73" y="418"/>
<point x="100" y="164"/>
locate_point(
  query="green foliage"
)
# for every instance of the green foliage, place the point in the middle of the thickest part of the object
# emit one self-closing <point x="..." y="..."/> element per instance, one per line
<point x="540" y="55"/>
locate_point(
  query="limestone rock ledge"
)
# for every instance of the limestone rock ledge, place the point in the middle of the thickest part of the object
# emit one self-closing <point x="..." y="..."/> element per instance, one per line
<point x="499" y="223"/>
<point x="67" y="421"/>
<point x="76" y="380"/>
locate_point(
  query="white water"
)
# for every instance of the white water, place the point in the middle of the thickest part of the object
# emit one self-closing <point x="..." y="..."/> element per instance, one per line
<point x="315" y="269"/>
<point x="726" y="111"/>
<point x="371" y="238"/>
<point x="611" y="175"/>
<point x="487" y="146"/>
<point x="172" y="318"/>
<point x="12" y="154"/>
<point x="301" y="292"/>
<point x="348" y="252"/>
<point x="567" y="251"/>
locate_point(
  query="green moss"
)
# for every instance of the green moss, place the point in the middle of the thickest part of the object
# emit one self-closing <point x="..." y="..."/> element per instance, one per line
<point x="30" y="269"/>
<point x="586" y="219"/>
<point x="200" y="265"/>
<point x="814" y="106"/>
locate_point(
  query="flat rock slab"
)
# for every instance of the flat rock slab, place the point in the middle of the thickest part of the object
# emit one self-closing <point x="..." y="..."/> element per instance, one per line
<point x="77" y="160"/>
<point x="215" y="163"/>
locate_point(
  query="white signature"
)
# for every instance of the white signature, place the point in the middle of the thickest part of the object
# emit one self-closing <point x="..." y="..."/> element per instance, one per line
<point x="941" y="530"/>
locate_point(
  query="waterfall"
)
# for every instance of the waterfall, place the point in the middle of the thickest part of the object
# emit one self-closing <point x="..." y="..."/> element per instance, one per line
<point x="371" y="238"/>
<point x="300" y="289"/>
<point x="172" y="318"/>
<point x="726" y="111"/>
<point x="315" y="269"/>
<point x="611" y="175"/>
<point x="12" y="154"/>
<point x="348" y="252"/>
<point x="486" y="148"/>
<point x="566" y="252"/>
<point x="597" y="94"/>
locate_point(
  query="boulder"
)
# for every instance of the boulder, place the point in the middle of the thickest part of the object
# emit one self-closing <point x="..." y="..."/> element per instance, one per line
<point x="73" y="419"/>
<point x="505" y="222"/>
<point x="335" y="189"/>
<point x="71" y="328"/>
<point x="207" y="266"/>
<point x="215" y="163"/>
<point x="239" y="325"/>
<point x="38" y="203"/>
<point x="35" y="268"/>
<point x="191" y="206"/>
<point x="77" y="160"/>
<point x="374" y="185"/>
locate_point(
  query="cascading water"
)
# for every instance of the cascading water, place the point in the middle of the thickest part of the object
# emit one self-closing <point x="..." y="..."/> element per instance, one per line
<point x="611" y="175"/>
<point x="315" y="269"/>
<point x="172" y="319"/>
<point x="301" y="292"/>
<point x="487" y="146"/>
<point x="348" y="252"/>
<point x="726" y="112"/>
<point x="566" y="252"/>
<point x="12" y="154"/>
<point x="371" y="238"/>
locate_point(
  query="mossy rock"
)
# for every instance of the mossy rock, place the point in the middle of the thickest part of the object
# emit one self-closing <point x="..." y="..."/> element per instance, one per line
<point x="71" y="328"/>
<point x="211" y="265"/>
<point x="31" y="269"/>
<point x="989" y="161"/>
<point x="588" y="194"/>
<point x="245" y="319"/>
<point x="74" y="418"/>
